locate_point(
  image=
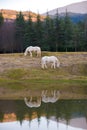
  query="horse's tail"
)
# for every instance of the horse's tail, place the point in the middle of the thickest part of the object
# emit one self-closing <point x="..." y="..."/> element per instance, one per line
<point x="39" y="52"/>
<point x="58" y="63"/>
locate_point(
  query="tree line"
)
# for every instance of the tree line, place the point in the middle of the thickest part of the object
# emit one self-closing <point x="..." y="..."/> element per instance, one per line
<point x="51" y="34"/>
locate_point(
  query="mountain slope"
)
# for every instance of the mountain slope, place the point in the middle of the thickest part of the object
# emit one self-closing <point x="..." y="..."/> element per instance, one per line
<point x="80" y="7"/>
<point x="11" y="14"/>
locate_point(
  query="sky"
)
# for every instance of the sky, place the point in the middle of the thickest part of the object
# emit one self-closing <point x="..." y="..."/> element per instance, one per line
<point x="36" y="6"/>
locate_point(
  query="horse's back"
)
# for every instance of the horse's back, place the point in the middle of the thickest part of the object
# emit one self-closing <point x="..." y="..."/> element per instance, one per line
<point x="29" y="48"/>
<point x="49" y="57"/>
<point x="37" y="48"/>
<point x="53" y="57"/>
<point x="45" y="58"/>
<point x="33" y="48"/>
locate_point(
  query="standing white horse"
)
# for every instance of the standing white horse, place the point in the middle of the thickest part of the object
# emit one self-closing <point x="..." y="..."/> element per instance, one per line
<point x="50" y="59"/>
<point x="31" y="49"/>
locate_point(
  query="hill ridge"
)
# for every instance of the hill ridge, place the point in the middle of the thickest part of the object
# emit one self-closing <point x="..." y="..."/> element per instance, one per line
<point x="79" y="7"/>
<point x="11" y="14"/>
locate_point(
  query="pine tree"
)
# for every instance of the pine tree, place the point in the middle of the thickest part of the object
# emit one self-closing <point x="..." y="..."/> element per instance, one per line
<point x="39" y="31"/>
<point x="61" y="35"/>
<point x="30" y="36"/>
<point x="76" y="38"/>
<point x="67" y="32"/>
<point x="57" y="29"/>
<point x="1" y="19"/>
<point x="79" y="37"/>
<point x="1" y="23"/>
<point x="85" y="33"/>
<point x="49" y="33"/>
<point x="20" y="30"/>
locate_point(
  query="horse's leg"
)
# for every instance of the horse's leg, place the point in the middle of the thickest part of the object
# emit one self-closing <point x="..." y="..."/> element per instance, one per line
<point x="30" y="54"/>
<point x="42" y="65"/>
<point x="45" y="65"/>
<point x="54" y="65"/>
<point x="31" y="99"/>
<point x="38" y="53"/>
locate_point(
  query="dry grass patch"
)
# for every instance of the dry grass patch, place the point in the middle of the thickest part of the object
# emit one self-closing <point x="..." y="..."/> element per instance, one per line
<point x="19" y="73"/>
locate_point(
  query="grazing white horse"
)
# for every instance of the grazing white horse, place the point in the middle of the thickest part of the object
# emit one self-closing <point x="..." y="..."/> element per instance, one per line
<point x="50" y="59"/>
<point x="51" y="96"/>
<point x="31" y="102"/>
<point x="31" y="49"/>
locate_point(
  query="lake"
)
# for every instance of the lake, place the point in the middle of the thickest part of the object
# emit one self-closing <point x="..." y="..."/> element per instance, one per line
<point x="45" y="112"/>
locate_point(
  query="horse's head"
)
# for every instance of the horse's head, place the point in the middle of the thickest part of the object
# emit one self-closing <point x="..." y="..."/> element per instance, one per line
<point x="25" y="53"/>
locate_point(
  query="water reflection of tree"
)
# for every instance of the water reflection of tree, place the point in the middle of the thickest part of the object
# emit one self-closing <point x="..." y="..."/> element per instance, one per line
<point x="63" y="109"/>
<point x="39" y="113"/>
<point x="1" y="116"/>
<point x="20" y="111"/>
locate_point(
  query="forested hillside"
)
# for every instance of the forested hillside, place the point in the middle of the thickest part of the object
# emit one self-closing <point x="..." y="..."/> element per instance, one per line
<point x="58" y="34"/>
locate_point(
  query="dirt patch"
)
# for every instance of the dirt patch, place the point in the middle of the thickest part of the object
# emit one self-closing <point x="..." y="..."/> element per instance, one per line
<point x="16" y="61"/>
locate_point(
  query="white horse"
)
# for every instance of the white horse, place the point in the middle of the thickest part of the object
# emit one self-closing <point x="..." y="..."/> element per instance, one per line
<point x="31" y="49"/>
<point x="50" y="96"/>
<point x="50" y="59"/>
<point x="31" y="102"/>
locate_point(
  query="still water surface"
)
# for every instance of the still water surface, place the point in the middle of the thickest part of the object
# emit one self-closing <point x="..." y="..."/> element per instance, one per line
<point x="47" y="112"/>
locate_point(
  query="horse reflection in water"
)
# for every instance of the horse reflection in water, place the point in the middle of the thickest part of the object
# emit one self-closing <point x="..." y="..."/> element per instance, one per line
<point x="46" y="97"/>
<point x="32" y="101"/>
<point x="50" y="96"/>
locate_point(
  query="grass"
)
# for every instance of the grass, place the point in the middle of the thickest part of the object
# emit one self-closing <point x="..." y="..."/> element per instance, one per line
<point x="72" y="79"/>
<point x="41" y="79"/>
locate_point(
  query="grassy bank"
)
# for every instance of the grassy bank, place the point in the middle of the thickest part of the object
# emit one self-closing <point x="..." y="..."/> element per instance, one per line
<point x="24" y="75"/>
